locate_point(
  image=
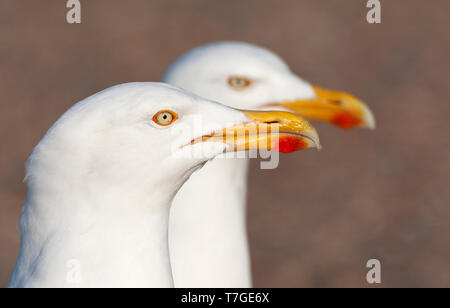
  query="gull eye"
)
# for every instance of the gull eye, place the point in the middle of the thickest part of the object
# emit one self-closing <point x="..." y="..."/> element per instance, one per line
<point x="165" y="117"/>
<point x="239" y="83"/>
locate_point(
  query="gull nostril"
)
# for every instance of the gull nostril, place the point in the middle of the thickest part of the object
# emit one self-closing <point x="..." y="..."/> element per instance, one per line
<point x="335" y="102"/>
<point x="272" y="122"/>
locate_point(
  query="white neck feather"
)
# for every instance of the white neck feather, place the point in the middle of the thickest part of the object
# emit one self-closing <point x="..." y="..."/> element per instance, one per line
<point x="208" y="236"/>
<point x="116" y="239"/>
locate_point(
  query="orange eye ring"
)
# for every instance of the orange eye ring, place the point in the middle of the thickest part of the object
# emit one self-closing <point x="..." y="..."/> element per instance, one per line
<point x="165" y="117"/>
<point x="239" y="82"/>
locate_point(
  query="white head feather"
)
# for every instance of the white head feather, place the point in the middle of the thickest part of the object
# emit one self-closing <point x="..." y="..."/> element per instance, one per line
<point x="206" y="70"/>
<point x="100" y="186"/>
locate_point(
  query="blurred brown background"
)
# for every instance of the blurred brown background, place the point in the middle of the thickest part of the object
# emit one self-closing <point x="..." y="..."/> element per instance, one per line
<point x="318" y="218"/>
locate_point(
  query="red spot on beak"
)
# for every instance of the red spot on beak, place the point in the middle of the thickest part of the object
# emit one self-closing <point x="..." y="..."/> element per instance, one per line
<point x="289" y="144"/>
<point x="346" y="120"/>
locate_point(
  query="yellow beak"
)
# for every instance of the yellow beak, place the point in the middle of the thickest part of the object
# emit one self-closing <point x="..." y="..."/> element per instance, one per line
<point x="267" y="130"/>
<point x="339" y="108"/>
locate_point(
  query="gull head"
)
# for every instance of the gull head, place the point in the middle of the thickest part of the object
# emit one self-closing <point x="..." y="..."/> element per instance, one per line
<point x="246" y="76"/>
<point x="141" y="135"/>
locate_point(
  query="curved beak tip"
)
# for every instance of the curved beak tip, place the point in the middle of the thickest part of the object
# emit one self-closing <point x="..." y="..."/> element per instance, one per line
<point x="369" y="119"/>
<point x="315" y="141"/>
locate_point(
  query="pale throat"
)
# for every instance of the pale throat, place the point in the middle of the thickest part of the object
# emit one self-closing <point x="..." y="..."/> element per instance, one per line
<point x="116" y="234"/>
